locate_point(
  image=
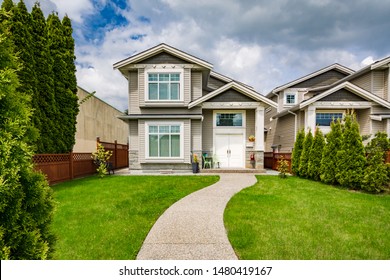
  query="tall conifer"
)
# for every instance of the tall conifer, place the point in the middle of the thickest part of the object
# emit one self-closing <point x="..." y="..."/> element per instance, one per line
<point x="315" y="157"/>
<point x="351" y="159"/>
<point x="44" y="102"/>
<point x="329" y="159"/>
<point x="304" y="160"/>
<point x="26" y="202"/>
<point x="296" y="154"/>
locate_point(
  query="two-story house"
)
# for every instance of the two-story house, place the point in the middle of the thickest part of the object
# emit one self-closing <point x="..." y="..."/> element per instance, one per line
<point x="180" y="107"/>
<point x="327" y="94"/>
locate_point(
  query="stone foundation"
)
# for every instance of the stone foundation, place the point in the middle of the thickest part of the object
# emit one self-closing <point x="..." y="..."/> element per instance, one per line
<point x="259" y="159"/>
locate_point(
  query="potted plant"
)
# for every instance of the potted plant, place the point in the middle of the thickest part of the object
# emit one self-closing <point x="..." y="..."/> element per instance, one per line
<point x="252" y="160"/>
<point x="195" y="164"/>
<point x="251" y="138"/>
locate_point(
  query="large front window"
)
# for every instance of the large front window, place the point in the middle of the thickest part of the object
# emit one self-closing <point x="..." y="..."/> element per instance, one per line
<point x="164" y="141"/>
<point x="325" y="119"/>
<point x="164" y="86"/>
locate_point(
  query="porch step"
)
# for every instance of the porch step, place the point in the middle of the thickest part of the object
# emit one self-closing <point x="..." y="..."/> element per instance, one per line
<point x="232" y="170"/>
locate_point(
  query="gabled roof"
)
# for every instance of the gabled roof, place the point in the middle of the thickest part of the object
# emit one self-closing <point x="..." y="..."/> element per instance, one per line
<point x="334" y="66"/>
<point x="383" y="63"/>
<point x="159" y="49"/>
<point x="238" y="87"/>
<point x="346" y="85"/>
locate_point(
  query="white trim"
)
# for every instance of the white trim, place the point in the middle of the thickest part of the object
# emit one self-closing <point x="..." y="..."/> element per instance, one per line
<point x="158" y="49"/>
<point x="233" y="85"/>
<point x="164" y="70"/>
<point x="314" y="74"/>
<point x="351" y="87"/>
<point x="293" y="92"/>
<point x="231" y="105"/>
<point x="384" y="62"/>
<point x="164" y="159"/>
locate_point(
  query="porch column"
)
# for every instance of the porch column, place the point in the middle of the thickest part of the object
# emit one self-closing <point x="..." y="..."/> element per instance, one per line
<point x="310" y="119"/>
<point x="259" y="129"/>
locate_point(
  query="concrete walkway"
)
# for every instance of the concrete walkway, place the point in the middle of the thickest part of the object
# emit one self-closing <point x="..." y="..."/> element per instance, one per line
<point x="193" y="228"/>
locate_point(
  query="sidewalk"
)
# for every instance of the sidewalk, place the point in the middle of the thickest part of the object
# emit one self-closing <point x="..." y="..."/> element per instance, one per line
<point x="193" y="228"/>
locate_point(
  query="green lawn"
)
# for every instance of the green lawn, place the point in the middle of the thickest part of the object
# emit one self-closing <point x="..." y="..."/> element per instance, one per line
<point x="102" y="219"/>
<point x="300" y="219"/>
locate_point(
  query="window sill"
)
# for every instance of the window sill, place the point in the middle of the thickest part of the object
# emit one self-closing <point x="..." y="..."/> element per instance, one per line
<point x="164" y="104"/>
<point x="164" y="160"/>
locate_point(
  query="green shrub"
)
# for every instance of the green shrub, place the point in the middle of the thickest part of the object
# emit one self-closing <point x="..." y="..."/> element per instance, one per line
<point x="351" y="160"/>
<point x="283" y="167"/>
<point x="315" y="157"/>
<point x="304" y="160"/>
<point x="101" y="157"/>
<point x="329" y="160"/>
<point x="297" y="151"/>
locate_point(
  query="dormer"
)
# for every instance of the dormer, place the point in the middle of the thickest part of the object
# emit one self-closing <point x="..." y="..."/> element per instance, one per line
<point x="294" y="92"/>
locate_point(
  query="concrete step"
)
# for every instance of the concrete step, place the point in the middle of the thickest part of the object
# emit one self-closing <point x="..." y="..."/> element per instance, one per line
<point x="231" y="170"/>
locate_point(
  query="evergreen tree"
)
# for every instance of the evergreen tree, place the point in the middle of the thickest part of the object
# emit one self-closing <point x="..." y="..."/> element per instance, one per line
<point x="43" y="101"/>
<point x="329" y="160"/>
<point x="66" y="101"/>
<point x="351" y="159"/>
<point x="304" y="160"/>
<point x="72" y="107"/>
<point x="296" y="154"/>
<point x="7" y="5"/>
<point x="26" y="202"/>
<point x="376" y="175"/>
<point x="315" y="157"/>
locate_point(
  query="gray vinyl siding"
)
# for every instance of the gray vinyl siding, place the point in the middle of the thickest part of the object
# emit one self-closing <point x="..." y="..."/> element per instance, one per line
<point x="141" y="135"/>
<point x="163" y="58"/>
<point x="377" y="126"/>
<point x="386" y="86"/>
<point x="378" y="84"/>
<point x="187" y="141"/>
<point x="231" y="95"/>
<point x="270" y="126"/>
<point x="284" y="135"/>
<point x="141" y="86"/>
<point x="250" y="123"/>
<point x="324" y="79"/>
<point x="363" y="118"/>
<point x="363" y="81"/>
<point x="133" y="93"/>
<point x="187" y="86"/>
<point x="196" y="85"/>
<point x="196" y="135"/>
<point x="342" y="95"/>
<point x="215" y="83"/>
<point x="379" y="110"/>
<point x="133" y="135"/>
<point x="207" y="129"/>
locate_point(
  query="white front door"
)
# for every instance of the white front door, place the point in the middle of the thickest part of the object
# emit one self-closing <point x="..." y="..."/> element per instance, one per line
<point x="230" y="150"/>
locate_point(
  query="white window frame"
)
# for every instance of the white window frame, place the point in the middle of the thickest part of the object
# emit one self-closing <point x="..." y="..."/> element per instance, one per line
<point x="163" y="123"/>
<point x="243" y="112"/>
<point x="289" y="92"/>
<point x="327" y="112"/>
<point x="165" y="70"/>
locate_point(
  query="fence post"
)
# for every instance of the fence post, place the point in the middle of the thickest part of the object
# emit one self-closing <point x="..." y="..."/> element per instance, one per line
<point x="116" y="153"/>
<point x="71" y="171"/>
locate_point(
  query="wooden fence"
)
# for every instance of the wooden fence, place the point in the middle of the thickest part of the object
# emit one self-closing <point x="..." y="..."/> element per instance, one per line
<point x="65" y="167"/>
<point x="271" y="160"/>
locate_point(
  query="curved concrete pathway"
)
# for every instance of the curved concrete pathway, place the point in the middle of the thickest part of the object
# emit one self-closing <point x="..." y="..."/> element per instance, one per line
<point x="193" y="228"/>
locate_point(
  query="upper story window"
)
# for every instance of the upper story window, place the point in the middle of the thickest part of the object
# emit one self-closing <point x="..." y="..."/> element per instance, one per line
<point x="325" y="119"/>
<point x="290" y="98"/>
<point x="164" y="86"/>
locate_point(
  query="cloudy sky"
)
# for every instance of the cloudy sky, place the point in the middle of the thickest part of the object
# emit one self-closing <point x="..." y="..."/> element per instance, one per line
<point x="262" y="43"/>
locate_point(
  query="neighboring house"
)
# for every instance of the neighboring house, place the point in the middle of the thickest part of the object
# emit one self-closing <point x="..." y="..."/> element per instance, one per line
<point x="179" y="107"/>
<point x="327" y="94"/>
<point x="96" y="118"/>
